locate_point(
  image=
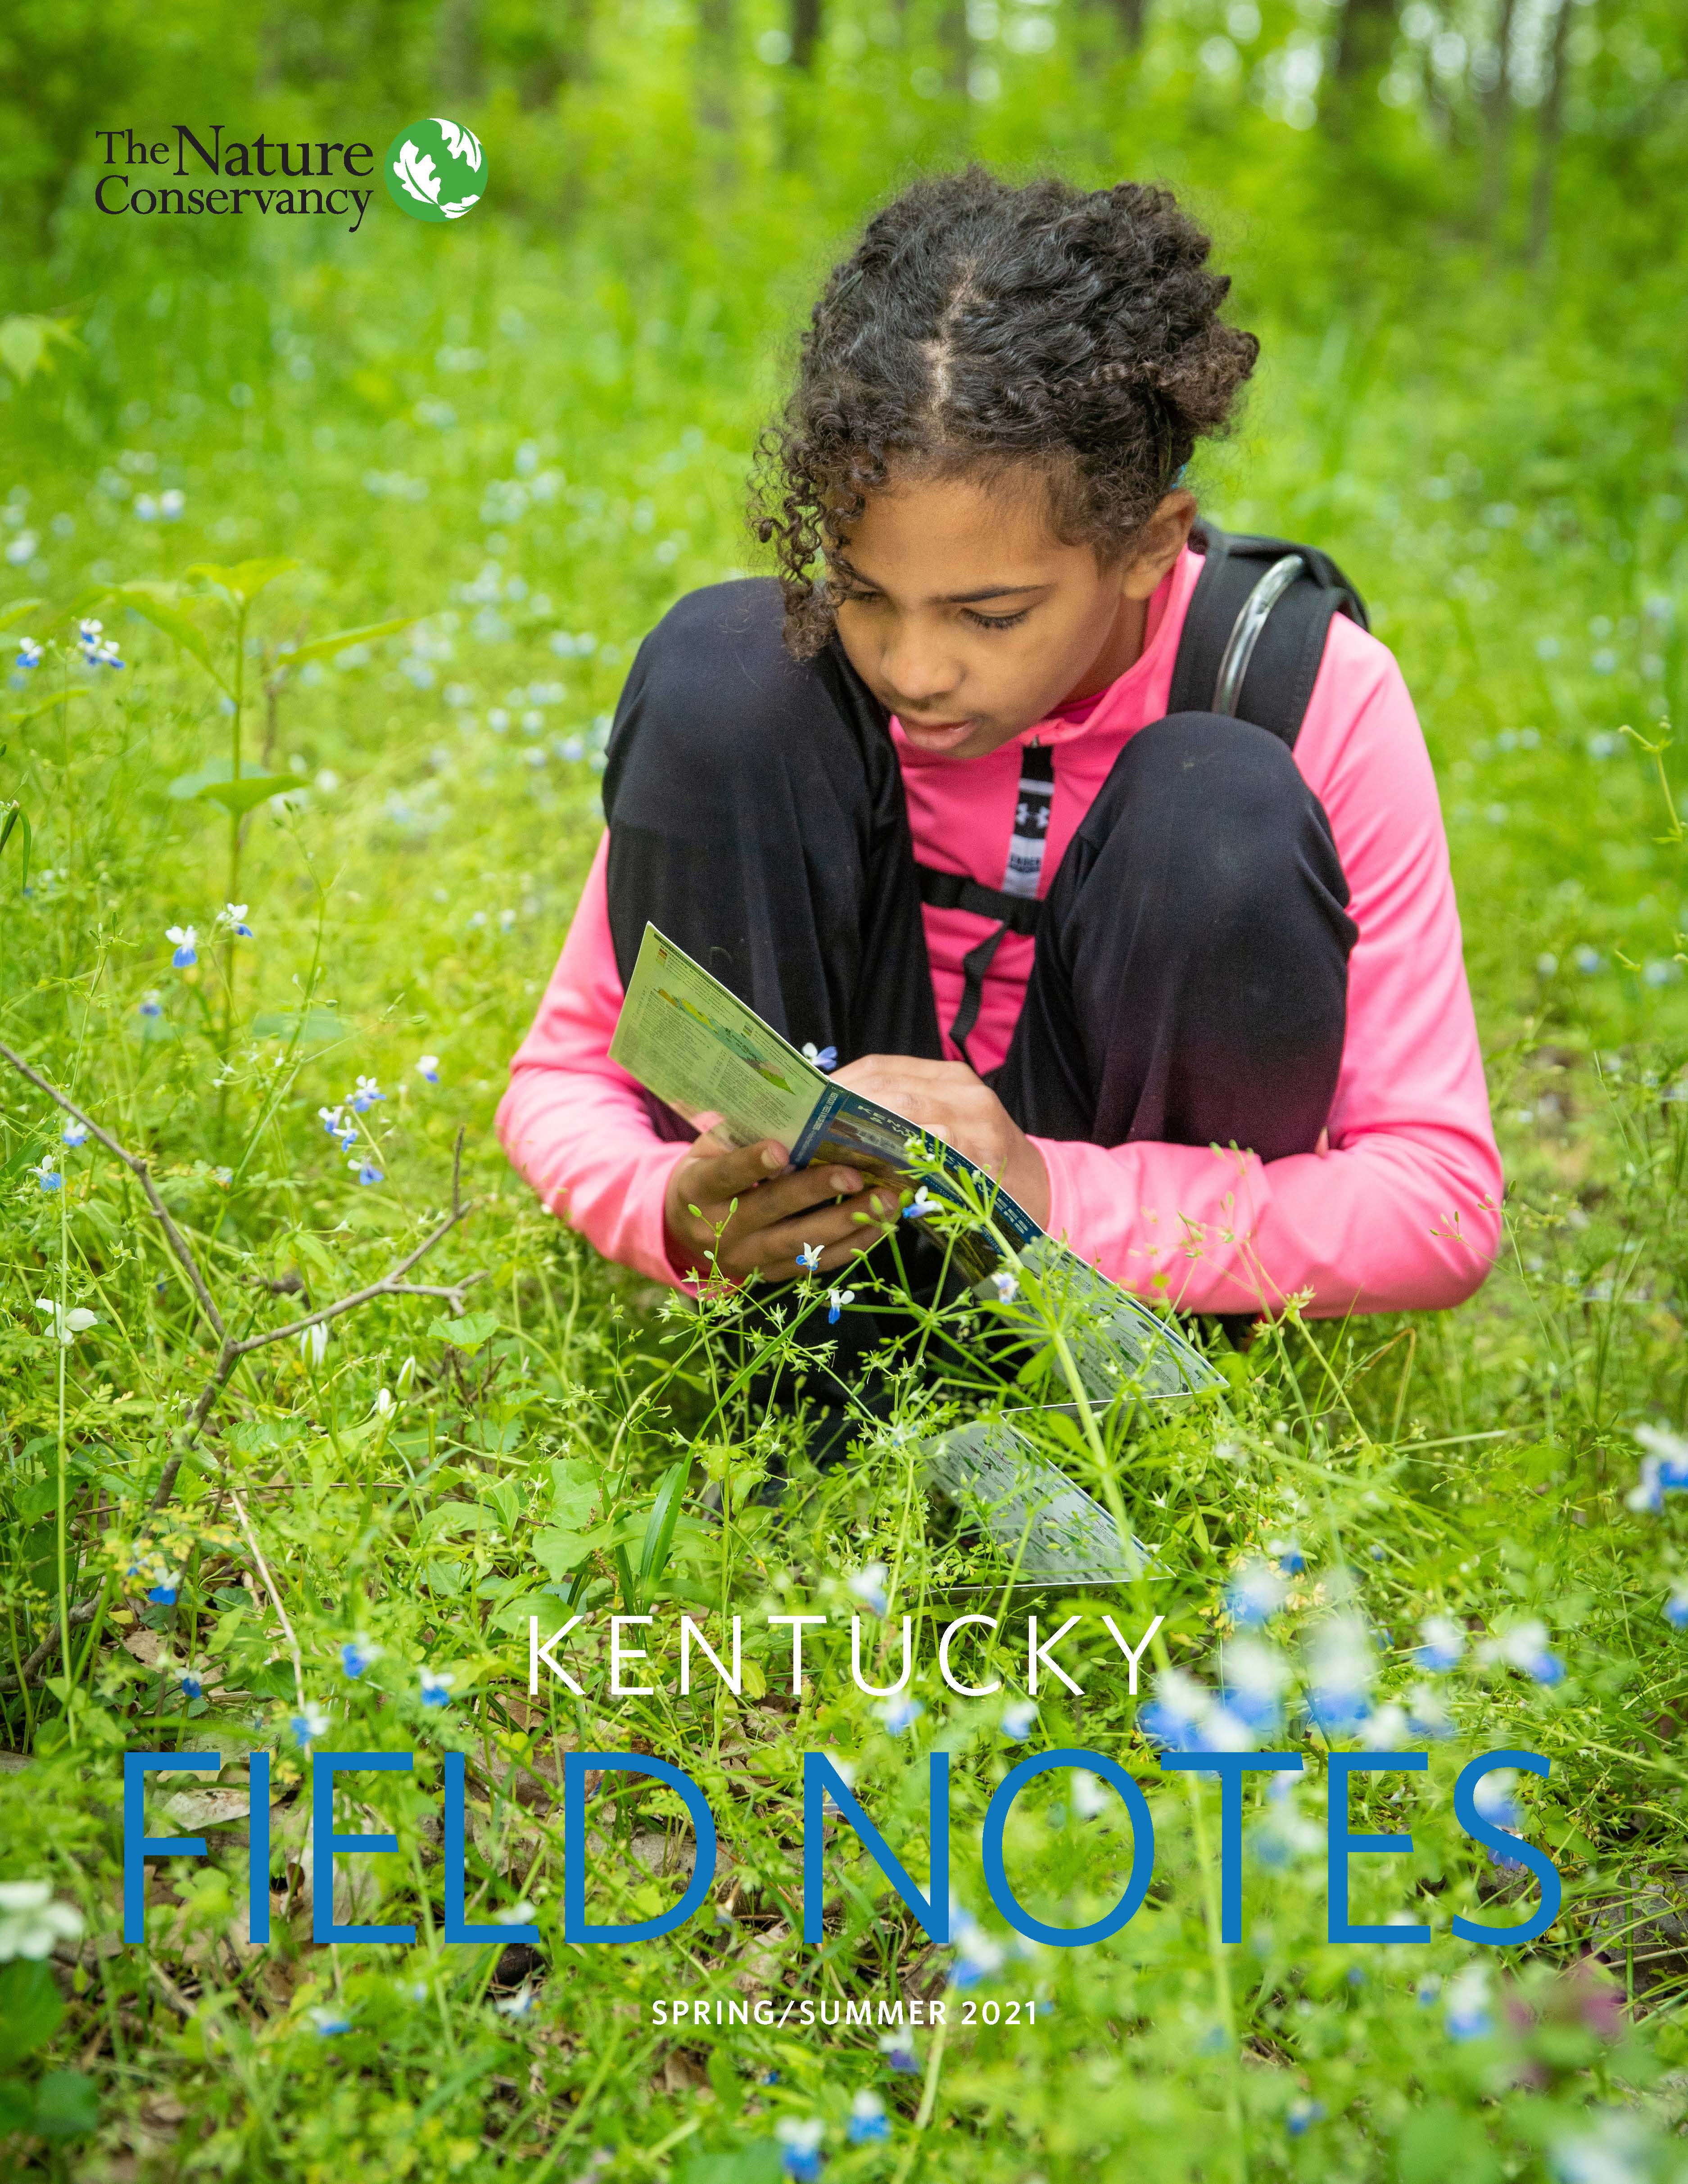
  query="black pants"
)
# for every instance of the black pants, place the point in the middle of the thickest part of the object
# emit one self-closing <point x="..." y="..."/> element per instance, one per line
<point x="1190" y="983"/>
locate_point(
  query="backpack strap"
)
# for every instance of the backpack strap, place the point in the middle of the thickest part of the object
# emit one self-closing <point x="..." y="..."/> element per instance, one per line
<point x="1254" y="634"/>
<point x="1252" y="640"/>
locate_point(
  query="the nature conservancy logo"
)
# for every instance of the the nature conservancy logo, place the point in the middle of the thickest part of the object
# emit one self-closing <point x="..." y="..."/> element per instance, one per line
<point x="435" y="170"/>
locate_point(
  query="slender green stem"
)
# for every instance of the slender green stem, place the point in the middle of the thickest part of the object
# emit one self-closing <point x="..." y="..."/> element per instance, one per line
<point x="61" y="1333"/>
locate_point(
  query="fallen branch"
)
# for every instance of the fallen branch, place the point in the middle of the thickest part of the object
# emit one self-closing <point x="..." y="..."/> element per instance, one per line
<point x="231" y="1351"/>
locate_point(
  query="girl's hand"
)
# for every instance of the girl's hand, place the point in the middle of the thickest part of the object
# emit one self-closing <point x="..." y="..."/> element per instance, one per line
<point x="946" y="1099"/>
<point x="777" y="1215"/>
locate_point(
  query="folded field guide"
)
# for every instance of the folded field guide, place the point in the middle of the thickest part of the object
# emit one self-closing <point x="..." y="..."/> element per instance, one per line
<point x="712" y="1059"/>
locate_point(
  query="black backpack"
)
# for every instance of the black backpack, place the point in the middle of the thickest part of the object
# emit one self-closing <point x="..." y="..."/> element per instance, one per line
<point x="1251" y="648"/>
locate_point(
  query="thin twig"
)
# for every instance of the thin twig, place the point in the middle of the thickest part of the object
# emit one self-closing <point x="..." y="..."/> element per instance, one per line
<point x="276" y="1598"/>
<point x="13" y="1679"/>
<point x="139" y="1169"/>
<point x="392" y="1284"/>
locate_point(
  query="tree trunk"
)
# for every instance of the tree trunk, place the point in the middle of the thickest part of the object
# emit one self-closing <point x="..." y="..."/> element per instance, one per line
<point x="805" y="32"/>
<point x="1133" y="18"/>
<point x="1365" y="34"/>
<point x="1497" y="121"/>
<point x="462" y="60"/>
<point x="1547" y="144"/>
<point x="715" y="64"/>
<point x="952" y="37"/>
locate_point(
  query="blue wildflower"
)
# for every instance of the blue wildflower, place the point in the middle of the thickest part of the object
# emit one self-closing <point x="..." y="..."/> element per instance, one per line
<point x="1525" y="1646"/>
<point x="192" y="1688"/>
<point x="900" y="1713"/>
<point x="308" y="1726"/>
<point x="1467" y="2003"/>
<point x="97" y="649"/>
<point x="232" y="918"/>
<point x="29" y="653"/>
<point x="1007" y="1285"/>
<point x="809" y="1257"/>
<point x="369" y="1173"/>
<point x="1291" y="1557"/>
<point x="329" y="2023"/>
<point x="368" y="1091"/>
<point x="1676" y="1608"/>
<point x="824" y="1058"/>
<point x="75" y="1133"/>
<point x="868" y="1586"/>
<point x="163" y="1595"/>
<point x="1019" y="1720"/>
<point x="356" y="1655"/>
<point x="868" y="2119"/>
<point x="151" y="1006"/>
<point x="1340" y="1670"/>
<point x="799" y="2146"/>
<point x="897" y="2049"/>
<point x="427" y="1066"/>
<point x="1255" y="1593"/>
<point x="1664" y="1470"/>
<point x="437" y="1687"/>
<point x="518" y="2005"/>
<point x="46" y="1174"/>
<point x="836" y="1302"/>
<point x="1254" y="1677"/>
<point x="1427" y="1714"/>
<point x="1443" y="1641"/>
<point x="1494" y="1799"/>
<point x="1302" y="2115"/>
<point x="1175" y="1716"/>
<point x="922" y="1205"/>
<point x="186" y="940"/>
<point x="977" y="1958"/>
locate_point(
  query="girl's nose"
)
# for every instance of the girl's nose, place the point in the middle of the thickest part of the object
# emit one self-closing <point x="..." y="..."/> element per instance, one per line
<point x="924" y="676"/>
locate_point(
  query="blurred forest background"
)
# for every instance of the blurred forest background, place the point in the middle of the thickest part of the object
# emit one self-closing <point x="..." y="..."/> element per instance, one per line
<point x="1457" y="225"/>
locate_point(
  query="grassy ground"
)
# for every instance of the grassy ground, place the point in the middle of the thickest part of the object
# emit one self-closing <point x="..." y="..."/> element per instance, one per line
<point x="530" y="459"/>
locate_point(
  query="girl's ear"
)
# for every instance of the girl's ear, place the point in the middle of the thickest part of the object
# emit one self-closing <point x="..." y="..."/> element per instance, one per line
<point x="1158" y="544"/>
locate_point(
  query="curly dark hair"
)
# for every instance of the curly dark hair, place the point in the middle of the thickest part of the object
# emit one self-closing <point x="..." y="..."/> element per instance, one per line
<point x="979" y="326"/>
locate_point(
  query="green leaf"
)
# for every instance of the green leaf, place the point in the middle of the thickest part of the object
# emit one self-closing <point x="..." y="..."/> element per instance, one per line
<point x="664" y="1514"/>
<point x="325" y="647"/>
<point x="213" y="783"/>
<point x="27" y="340"/>
<point x="66" y="2105"/>
<point x="468" y="1332"/>
<point x="514" y="1614"/>
<point x="573" y="1499"/>
<point x="31" y="2009"/>
<point x="245" y="580"/>
<point x="16" y="611"/>
<point x="19" y="818"/>
<point x="455" y="1517"/>
<point x="239" y="797"/>
<point x="559" y="1553"/>
<point x="155" y="603"/>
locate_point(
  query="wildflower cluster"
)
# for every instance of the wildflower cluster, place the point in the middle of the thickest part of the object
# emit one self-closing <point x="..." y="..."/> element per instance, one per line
<point x="97" y="649"/>
<point x="363" y="1097"/>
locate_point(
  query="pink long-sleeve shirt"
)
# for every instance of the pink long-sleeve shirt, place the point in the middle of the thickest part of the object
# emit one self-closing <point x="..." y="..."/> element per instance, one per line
<point x="1401" y="1207"/>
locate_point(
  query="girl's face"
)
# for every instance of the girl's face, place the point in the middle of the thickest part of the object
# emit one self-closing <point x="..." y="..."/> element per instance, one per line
<point x="970" y="621"/>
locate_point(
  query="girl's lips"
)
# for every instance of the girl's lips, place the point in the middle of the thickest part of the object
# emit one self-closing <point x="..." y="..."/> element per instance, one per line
<point x="935" y="735"/>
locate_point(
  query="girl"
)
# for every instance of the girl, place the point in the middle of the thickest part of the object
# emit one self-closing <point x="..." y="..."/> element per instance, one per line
<point x="1197" y="998"/>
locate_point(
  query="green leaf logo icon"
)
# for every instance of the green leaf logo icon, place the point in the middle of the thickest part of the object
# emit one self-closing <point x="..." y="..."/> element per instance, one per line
<point x="436" y="169"/>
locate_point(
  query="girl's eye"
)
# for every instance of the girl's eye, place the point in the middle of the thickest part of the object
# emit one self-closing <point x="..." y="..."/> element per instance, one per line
<point x="997" y="622"/>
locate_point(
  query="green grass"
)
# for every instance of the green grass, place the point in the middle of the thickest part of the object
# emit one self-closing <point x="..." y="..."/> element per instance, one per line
<point x="533" y="457"/>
